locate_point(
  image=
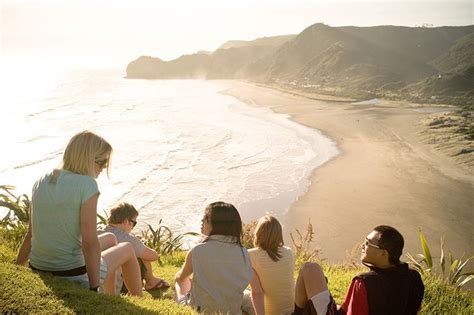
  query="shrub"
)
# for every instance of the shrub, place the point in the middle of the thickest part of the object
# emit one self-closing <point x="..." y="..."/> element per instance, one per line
<point x="247" y="234"/>
<point x="303" y="247"/>
<point x="454" y="275"/>
<point x="14" y="236"/>
<point x="19" y="207"/>
<point x="103" y="221"/>
<point x="14" y="224"/>
<point x="162" y="239"/>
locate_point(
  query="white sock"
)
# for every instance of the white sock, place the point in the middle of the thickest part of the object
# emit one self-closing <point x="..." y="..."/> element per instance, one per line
<point x="321" y="301"/>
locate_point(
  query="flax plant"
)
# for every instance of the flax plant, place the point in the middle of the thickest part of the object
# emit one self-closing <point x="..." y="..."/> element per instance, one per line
<point x="14" y="224"/>
<point x="163" y="240"/>
<point x="19" y="207"/>
<point x="103" y="220"/>
<point x="454" y="275"/>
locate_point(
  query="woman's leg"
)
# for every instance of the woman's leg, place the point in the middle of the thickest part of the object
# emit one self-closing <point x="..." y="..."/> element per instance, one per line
<point x="310" y="282"/>
<point x="122" y="255"/>
<point x="107" y="240"/>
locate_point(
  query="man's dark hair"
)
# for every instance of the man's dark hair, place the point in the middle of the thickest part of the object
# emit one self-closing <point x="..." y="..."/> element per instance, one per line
<point x="392" y="241"/>
<point x="121" y="212"/>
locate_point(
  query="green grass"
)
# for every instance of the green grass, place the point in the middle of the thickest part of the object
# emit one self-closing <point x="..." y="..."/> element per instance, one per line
<point x="443" y="299"/>
<point x="23" y="291"/>
<point x="339" y="278"/>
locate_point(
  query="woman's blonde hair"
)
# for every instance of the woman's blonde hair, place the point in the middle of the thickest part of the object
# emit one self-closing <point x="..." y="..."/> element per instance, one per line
<point x="269" y="236"/>
<point x="83" y="151"/>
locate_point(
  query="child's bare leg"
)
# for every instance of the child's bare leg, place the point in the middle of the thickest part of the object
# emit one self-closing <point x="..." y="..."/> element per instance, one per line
<point x="123" y="255"/>
<point x="107" y="240"/>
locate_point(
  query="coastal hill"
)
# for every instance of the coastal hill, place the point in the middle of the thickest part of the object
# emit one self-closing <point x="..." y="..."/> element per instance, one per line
<point x="225" y="62"/>
<point x="264" y="41"/>
<point x="415" y="63"/>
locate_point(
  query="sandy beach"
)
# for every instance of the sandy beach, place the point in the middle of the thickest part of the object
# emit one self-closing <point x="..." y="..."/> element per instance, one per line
<point x="386" y="173"/>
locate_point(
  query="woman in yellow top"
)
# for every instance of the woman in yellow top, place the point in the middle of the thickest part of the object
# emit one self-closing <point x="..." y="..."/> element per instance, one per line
<point x="273" y="286"/>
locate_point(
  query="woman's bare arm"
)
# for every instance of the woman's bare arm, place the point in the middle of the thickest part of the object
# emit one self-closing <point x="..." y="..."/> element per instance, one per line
<point x="183" y="276"/>
<point x="257" y="294"/>
<point x="24" y="253"/>
<point x="90" y="242"/>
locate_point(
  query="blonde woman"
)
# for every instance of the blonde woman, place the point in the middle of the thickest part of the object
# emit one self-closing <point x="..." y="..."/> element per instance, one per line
<point x="62" y="235"/>
<point x="273" y="286"/>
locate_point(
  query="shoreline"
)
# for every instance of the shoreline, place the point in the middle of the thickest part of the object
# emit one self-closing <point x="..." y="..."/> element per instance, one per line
<point x="384" y="174"/>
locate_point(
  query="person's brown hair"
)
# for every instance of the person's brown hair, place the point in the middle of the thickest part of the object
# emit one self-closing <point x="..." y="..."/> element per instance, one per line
<point x="83" y="151"/>
<point x="121" y="212"/>
<point x="269" y="236"/>
<point x="224" y="219"/>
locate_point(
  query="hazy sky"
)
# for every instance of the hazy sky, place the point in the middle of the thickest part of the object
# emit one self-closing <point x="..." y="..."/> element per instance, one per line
<point x="118" y="31"/>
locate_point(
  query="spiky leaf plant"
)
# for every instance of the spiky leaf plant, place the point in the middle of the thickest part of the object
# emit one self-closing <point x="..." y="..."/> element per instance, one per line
<point x="455" y="275"/>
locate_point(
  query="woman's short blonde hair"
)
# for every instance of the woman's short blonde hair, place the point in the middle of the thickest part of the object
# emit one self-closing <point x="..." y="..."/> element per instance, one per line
<point x="83" y="151"/>
<point x="269" y="236"/>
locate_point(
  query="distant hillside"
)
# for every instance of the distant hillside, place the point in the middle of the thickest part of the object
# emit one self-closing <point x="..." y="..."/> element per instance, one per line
<point x="459" y="57"/>
<point x="264" y="41"/>
<point x="227" y="61"/>
<point x="402" y="62"/>
<point x="345" y="56"/>
<point x="185" y="67"/>
<point x="454" y="87"/>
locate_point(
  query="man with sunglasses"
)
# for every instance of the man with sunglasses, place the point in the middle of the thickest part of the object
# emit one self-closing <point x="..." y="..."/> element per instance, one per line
<point x="122" y="220"/>
<point x="390" y="287"/>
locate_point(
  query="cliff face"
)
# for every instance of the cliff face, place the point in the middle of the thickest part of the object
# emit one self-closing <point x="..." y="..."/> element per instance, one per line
<point x="145" y="67"/>
<point x="372" y="60"/>
<point x="185" y="67"/>
<point x="231" y="60"/>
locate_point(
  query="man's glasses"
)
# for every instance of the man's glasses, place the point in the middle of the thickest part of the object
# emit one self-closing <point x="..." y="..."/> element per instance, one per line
<point x="101" y="162"/>
<point x="367" y="243"/>
<point x="133" y="222"/>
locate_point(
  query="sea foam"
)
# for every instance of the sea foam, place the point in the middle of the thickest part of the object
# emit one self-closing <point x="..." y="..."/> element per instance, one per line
<point x="178" y="145"/>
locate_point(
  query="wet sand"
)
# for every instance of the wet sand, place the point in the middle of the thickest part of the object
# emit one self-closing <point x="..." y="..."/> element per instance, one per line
<point x="384" y="174"/>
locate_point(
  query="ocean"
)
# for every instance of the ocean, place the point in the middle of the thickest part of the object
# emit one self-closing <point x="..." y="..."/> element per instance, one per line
<point x="178" y="144"/>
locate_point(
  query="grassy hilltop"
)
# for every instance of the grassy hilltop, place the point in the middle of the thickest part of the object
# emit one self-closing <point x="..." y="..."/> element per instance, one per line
<point x="23" y="291"/>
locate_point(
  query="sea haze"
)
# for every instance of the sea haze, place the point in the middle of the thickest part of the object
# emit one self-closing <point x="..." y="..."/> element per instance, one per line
<point x="178" y="144"/>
